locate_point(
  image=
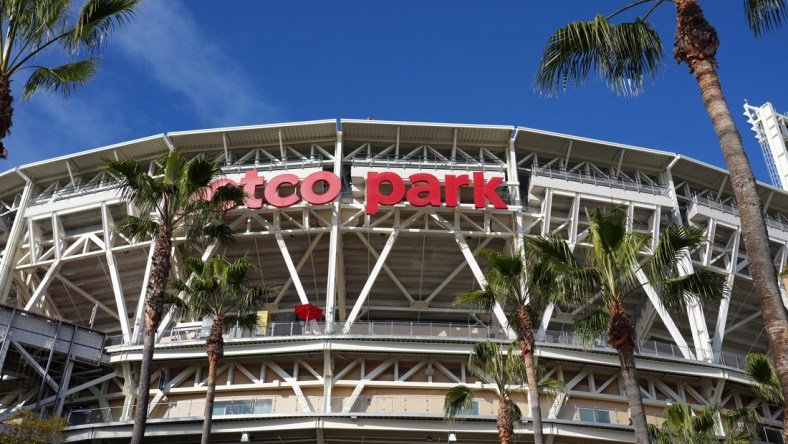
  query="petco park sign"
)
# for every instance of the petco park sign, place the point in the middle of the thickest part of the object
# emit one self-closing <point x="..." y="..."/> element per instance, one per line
<point x="424" y="189"/>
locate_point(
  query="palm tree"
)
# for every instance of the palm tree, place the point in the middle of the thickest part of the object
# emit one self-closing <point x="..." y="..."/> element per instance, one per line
<point x="682" y="425"/>
<point x="507" y="375"/>
<point x="510" y="284"/>
<point x="220" y="290"/>
<point x="623" y="55"/>
<point x="168" y="199"/>
<point x="30" y="27"/>
<point x="610" y="272"/>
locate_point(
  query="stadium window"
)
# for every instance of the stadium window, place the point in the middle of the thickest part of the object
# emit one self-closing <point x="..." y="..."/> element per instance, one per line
<point x="594" y="415"/>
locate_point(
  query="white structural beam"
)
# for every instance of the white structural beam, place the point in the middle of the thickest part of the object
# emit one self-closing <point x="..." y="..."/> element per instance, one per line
<point x="139" y="314"/>
<point x="479" y="275"/>
<point x="373" y="275"/>
<point x="456" y="271"/>
<point x="117" y="287"/>
<point x="13" y="242"/>
<point x="87" y="296"/>
<point x="307" y="255"/>
<point x="280" y="241"/>
<point x="697" y="319"/>
<point x="333" y="245"/>
<point x="386" y="268"/>
<point x="664" y="315"/>
<point x="43" y="285"/>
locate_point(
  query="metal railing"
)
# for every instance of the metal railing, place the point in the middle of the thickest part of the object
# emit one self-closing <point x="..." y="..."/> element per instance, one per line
<point x="429" y="162"/>
<point x="598" y="179"/>
<point x="425" y="330"/>
<point x="664" y="350"/>
<point x="277" y="164"/>
<point x="730" y="207"/>
<point x="74" y="191"/>
<point x="313" y="328"/>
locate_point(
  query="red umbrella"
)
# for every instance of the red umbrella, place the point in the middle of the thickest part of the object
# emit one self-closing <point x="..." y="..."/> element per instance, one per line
<point x="308" y="312"/>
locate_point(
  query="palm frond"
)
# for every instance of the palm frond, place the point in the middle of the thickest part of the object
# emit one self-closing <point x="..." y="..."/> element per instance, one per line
<point x="622" y="56"/>
<point x="137" y="228"/>
<point x="482" y="300"/>
<point x="743" y="425"/>
<point x="593" y="326"/>
<point x="763" y="372"/>
<point x="96" y="19"/>
<point x="705" y="286"/>
<point x="61" y="79"/>
<point x="764" y="16"/>
<point x="175" y="301"/>
<point x="673" y="248"/>
<point x="458" y="401"/>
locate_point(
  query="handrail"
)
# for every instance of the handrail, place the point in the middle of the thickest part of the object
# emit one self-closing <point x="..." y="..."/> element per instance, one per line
<point x="429" y="162"/>
<point x="188" y="335"/>
<point x="598" y="179"/>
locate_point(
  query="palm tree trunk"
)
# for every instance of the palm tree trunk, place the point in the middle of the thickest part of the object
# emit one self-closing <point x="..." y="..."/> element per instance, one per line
<point x="696" y="45"/>
<point x="154" y="305"/>
<point x="525" y="335"/>
<point x="214" y="345"/>
<point x="6" y="111"/>
<point x="622" y="337"/>
<point x="505" y="423"/>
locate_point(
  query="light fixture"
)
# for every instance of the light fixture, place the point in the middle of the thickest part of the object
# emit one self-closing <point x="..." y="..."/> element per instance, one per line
<point x="245" y="437"/>
<point x="452" y="437"/>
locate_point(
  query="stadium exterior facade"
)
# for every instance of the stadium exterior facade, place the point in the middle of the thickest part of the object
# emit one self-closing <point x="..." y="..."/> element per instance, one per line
<point x="376" y="368"/>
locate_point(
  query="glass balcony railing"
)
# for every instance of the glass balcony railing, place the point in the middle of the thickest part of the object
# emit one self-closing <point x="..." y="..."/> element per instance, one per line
<point x="599" y="180"/>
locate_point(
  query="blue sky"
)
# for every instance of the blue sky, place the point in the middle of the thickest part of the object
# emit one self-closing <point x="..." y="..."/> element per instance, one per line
<point x="190" y="64"/>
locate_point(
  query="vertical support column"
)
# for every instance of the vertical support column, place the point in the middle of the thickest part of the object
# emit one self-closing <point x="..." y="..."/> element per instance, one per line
<point x="547" y="205"/>
<point x="61" y="393"/>
<point x="328" y="376"/>
<point x="333" y="245"/>
<point x="697" y="319"/>
<point x="129" y="389"/>
<point x="14" y="239"/>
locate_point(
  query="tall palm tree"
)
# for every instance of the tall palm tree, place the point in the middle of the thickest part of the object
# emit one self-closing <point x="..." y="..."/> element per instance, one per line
<point x="510" y="284"/>
<point x="221" y="290"/>
<point x="610" y="272"/>
<point x="624" y="54"/>
<point x="169" y="199"/>
<point x="29" y="27"/>
<point x="683" y="425"/>
<point x="506" y="374"/>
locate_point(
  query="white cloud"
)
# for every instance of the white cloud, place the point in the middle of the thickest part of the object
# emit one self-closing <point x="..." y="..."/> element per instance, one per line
<point x="48" y="126"/>
<point x="166" y="42"/>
